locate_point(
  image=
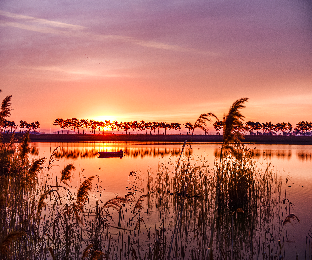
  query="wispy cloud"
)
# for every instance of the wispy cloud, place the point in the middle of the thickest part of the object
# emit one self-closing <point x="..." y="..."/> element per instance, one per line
<point x="66" y="71"/>
<point x="73" y="73"/>
<point x="43" y="22"/>
<point x="169" y="47"/>
<point x="71" y="30"/>
<point x="31" y="27"/>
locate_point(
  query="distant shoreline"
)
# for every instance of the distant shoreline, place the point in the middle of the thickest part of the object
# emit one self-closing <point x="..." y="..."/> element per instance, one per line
<point x="260" y="139"/>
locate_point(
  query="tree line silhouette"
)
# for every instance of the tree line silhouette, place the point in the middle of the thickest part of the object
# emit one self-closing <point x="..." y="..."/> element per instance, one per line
<point x="103" y="126"/>
<point x="249" y="127"/>
<point x="11" y="126"/>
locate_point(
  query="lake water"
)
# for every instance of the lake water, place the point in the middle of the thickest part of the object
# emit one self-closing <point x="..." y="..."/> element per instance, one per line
<point x="292" y="163"/>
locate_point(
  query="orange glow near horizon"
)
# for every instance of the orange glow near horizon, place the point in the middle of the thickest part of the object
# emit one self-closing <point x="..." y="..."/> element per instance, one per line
<point x="150" y="61"/>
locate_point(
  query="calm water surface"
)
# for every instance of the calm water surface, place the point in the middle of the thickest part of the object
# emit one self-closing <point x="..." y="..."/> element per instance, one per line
<point x="292" y="163"/>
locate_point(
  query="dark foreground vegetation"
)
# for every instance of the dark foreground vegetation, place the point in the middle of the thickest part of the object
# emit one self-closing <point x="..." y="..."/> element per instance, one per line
<point x="186" y="210"/>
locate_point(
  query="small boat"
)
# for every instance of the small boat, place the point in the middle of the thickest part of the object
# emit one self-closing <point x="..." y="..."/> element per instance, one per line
<point x="111" y="154"/>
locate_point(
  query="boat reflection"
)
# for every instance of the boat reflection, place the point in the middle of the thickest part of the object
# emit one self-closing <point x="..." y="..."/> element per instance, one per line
<point x="111" y="154"/>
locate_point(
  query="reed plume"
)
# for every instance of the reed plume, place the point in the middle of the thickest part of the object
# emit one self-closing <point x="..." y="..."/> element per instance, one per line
<point x="5" y="109"/>
<point x="290" y="217"/>
<point x="138" y="206"/>
<point x="66" y="173"/>
<point x="41" y="203"/>
<point x="97" y="255"/>
<point x="232" y="122"/>
<point x="116" y="203"/>
<point x="83" y="192"/>
<point x="203" y="119"/>
<point x="51" y="160"/>
<point x="35" y="168"/>
<point x="129" y="195"/>
<point x="86" y="252"/>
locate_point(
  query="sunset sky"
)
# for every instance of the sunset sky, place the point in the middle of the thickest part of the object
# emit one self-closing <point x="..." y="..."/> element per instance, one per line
<point x="156" y="60"/>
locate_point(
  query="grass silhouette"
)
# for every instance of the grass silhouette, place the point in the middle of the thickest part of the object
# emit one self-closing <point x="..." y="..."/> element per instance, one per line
<point x="187" y="209"/>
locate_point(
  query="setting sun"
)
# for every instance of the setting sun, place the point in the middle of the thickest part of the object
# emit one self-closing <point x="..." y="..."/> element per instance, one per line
<point x="104" y="118"/>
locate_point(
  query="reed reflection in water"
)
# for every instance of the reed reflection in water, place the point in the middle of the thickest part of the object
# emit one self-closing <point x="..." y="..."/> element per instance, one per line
<point x="301" y="155"/>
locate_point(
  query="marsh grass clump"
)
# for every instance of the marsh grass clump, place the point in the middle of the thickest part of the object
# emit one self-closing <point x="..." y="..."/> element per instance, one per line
<point x="237" y="179"/>
<point x="39" y="218"/>
<point x="19" y="180"/>
<point x="173" y="218"/>
<point x="35" y="220"/>
<point x="184" y="202"/>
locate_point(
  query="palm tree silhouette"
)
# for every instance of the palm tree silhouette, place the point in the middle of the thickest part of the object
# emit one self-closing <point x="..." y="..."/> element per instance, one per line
<point x="9" y="124"/>
<point x="84" y="124"/>
<point x="268" y="127"/>
<point x="249" y="127"/>
<point x="59" y="122"/>
<point x="126" y="126"/>
<point x="35" y="125"/>
<point x="175" y="126"/>
<point x="93" y="125"/>
<point x="288" y="128"/>
<point x="189" y="126"/>
<point x="302" y="127"/>
<point x="218" y="126"/>
<point x="165" y="126"/>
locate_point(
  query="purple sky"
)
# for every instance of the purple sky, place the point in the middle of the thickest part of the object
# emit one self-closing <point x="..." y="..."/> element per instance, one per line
<point x="156" y="60"/>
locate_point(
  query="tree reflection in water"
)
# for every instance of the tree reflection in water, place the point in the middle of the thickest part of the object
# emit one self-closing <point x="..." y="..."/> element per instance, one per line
<point x="75" y="153"/>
